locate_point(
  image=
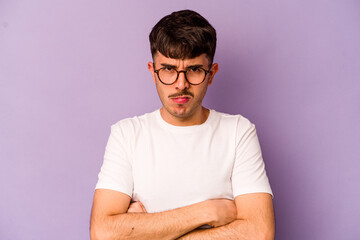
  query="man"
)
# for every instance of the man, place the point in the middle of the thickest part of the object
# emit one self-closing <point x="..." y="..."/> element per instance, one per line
<point x="183" y="171"/>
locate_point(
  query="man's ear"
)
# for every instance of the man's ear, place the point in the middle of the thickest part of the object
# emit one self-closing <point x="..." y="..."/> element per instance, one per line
<point x="151" y="69"/>
<point x="213" y="71"/>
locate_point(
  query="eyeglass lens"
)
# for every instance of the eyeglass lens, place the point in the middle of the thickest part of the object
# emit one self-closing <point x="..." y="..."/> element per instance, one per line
<point x="169" y="76"/>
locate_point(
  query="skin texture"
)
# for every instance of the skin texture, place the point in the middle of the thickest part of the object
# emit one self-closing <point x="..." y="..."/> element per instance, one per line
<point x="249" y="216"/>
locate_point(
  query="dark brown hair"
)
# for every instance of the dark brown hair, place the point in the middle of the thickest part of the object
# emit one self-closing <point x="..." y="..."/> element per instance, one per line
<point x="183" y="34"/>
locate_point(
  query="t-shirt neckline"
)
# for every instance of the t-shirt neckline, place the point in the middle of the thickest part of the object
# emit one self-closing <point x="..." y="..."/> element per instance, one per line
<point x="184" y="129"/>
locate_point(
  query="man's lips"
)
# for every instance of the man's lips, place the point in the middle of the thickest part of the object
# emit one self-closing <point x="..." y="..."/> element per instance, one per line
<point x="181" y="99"/>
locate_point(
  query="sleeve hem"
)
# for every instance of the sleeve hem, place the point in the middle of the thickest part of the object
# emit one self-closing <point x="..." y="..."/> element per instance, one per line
<point x="114" y="188"/>
<point x="253" y="190"/>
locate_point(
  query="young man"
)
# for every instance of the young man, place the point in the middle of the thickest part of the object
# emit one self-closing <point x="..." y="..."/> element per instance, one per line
<point x="183" y="171"/>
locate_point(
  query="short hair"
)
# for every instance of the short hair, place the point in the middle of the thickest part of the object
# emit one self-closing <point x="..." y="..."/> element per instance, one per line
<point x="183" y="34"/>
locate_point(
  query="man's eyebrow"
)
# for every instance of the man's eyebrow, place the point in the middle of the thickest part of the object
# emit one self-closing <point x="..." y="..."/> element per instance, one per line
<point x="195" y="66"/>
<point x="168" y="65"/>
<point x="173" y="66"/>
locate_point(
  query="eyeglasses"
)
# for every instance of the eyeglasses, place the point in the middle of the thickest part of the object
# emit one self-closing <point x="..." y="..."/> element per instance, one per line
<point x="194" y="75"/>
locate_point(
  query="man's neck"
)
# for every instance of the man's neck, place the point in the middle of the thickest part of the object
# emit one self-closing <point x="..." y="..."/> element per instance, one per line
<point x="196" y="119"/>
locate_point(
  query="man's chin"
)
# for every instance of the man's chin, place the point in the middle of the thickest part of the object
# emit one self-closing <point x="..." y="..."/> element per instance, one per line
<point x="180" y="112"/>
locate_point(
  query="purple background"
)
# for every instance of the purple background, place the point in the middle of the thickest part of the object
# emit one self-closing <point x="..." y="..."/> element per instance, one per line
<point x="70" y="69"/>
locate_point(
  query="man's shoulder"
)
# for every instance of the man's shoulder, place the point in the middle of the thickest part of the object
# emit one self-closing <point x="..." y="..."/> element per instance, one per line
<point x="135" y="121"/>
<point x="227" y="117"/>
<point x="236" y="123"/>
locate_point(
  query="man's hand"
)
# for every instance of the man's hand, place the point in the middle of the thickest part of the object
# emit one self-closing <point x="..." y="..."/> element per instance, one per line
<point x="224" y="211"/>
<point x="136" y="207"/>
<point x="255" y="220"/>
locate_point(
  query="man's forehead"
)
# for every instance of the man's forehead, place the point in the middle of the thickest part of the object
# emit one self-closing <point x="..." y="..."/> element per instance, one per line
<point x="202" y="59"/>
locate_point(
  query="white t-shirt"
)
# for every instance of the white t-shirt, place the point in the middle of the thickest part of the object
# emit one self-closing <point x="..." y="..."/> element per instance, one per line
<point x="167" y="167"/>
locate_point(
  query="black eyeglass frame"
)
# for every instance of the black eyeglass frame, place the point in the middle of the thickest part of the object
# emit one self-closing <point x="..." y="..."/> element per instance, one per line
<point x="178" y="73"/>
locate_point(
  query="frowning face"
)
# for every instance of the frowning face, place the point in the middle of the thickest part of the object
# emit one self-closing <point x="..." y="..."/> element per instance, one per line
<point x="182" y="102"/>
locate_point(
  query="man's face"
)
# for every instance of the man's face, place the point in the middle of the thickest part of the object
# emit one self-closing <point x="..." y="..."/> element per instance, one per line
<point x="181" y="100"/>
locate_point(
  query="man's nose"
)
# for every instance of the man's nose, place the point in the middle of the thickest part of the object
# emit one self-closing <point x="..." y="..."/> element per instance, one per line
<point x="181" y="82"/>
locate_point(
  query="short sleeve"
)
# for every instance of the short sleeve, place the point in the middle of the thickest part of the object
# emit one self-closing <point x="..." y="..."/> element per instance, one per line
<point x="249" y="175"/>
<point x="116" y="171"/>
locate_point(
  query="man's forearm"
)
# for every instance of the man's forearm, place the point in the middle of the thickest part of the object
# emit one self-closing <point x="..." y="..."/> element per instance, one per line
<point x="165" y="225"/>
<point x="238" y="229"/>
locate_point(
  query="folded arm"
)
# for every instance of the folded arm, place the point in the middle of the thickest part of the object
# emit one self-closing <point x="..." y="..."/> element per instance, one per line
<point x="110" y="220"/>
<point x="255" y="220"/>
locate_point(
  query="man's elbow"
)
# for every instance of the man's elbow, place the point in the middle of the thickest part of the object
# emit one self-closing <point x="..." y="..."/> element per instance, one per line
<point x="97" y="230"/>
<point x="99" y="233"/>
<point x="267" y="234"/>
<point x="260" y="232"/>
<point x="94" y="234"/>
<point x="102" y="229"/>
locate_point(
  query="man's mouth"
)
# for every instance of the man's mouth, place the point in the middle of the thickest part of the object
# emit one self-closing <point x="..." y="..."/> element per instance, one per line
<point x="181" y="99"/>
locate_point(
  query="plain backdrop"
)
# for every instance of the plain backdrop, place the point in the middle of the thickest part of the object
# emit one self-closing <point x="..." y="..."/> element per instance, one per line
<point x="70" y="69"/>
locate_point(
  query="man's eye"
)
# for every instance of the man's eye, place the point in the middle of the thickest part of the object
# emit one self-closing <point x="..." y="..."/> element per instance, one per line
<point x="169" y="69"/>
<point x="195" y="69"/>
